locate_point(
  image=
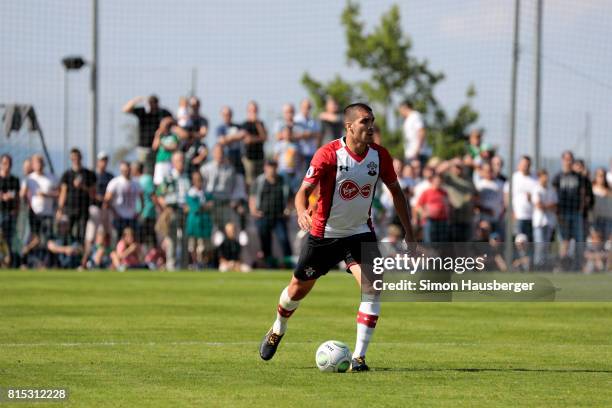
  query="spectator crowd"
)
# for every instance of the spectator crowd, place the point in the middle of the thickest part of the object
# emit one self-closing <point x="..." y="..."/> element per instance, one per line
<point x="188" y="203"/>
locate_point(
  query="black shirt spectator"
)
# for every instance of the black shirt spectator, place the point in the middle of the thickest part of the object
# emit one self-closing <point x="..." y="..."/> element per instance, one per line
<point x="229" y="250"/>
<point x="78" y="183"/>
<point x="253" y="151"/>
<point x="571" y="188"/>
<point x="9" y="186"/>
<point x="271" y="198"/>
<point x="148" y="119"/>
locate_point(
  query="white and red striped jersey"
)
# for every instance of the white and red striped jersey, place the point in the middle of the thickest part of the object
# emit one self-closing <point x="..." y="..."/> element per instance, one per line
<point x="347" y="185"/>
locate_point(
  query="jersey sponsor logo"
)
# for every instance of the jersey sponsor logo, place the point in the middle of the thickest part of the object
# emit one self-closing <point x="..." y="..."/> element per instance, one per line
<point x="343" y="168"/>
<point x="349" y="190"/>
<point x="365" y="191"/>
<point x="372" y="168"/>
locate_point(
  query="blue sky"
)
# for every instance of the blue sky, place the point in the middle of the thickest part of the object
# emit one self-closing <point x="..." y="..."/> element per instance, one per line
<point x="259" y="50"/>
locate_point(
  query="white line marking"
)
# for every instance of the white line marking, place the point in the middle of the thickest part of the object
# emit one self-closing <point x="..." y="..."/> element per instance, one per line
<point x="247" y="343"/>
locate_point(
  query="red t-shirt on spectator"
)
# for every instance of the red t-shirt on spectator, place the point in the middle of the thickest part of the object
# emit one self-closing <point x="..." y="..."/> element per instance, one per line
<point x="434" y="201"/>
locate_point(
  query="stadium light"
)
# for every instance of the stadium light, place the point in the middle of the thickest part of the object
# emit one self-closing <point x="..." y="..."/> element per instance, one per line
<point x="70" y="63"/>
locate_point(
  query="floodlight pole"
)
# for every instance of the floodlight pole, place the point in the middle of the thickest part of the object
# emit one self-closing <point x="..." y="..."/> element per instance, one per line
<point x="515" y="57"/>
<point x="538" y="85"/>
<point x="93" y="146"/>
<point x="66" y="107"/>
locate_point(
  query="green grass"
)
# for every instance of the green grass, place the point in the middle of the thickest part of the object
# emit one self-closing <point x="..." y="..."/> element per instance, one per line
<point x="190" y="339"/>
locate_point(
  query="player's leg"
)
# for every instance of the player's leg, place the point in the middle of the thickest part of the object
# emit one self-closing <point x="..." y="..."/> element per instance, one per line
<point x="287" y="304"/>
<point x="289" y="301"/>
<point x="367" y="317"/>
<point x="318" y="255"/>
<point x="359" y="260"/>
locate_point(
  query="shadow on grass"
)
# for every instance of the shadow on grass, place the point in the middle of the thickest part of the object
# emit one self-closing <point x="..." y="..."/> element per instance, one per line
<point x="482" y="370"/>
<point x="502" y="370"/>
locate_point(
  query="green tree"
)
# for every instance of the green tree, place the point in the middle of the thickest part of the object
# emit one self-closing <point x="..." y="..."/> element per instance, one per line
<point x="395" y="75"/>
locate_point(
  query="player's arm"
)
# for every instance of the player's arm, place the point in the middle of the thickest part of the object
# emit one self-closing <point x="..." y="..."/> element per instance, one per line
<point x="301" y="205"/>
<point x="401" y="208"/>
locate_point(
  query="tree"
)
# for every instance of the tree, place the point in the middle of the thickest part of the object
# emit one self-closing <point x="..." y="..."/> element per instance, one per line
<point x="395" y="75"/>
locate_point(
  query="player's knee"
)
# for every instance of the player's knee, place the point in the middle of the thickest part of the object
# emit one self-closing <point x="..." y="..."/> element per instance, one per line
<point x="298" y="289"/>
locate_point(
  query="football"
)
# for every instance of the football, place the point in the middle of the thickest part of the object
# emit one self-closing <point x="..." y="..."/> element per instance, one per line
<point x="333" y="357"/>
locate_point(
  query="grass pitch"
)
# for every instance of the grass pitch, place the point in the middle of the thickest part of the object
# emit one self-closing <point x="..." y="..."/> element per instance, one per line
<point x="190" y="339"/>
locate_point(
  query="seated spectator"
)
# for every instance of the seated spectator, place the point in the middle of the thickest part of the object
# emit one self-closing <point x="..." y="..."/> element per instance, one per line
<point x="165" y="143"/>
<point x="127" y="254"/>
<point x="434" y="207"/>
<point x="199" y="224"/>
<point x="522" y="261"/>
<point x="393" y="241"/>
<point x="229" y="252"/>
<point x="99" y="256"/>
<point x="34" y="253"/>
<point x="65" y="249"/>
<point x="596" y="253"/>
<point x="5" y="252"/>
<point x="494" y="260"/>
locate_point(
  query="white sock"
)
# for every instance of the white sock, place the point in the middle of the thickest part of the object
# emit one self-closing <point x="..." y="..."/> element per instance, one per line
<point x="285" y="309"/>
<point x="366" y="323"/>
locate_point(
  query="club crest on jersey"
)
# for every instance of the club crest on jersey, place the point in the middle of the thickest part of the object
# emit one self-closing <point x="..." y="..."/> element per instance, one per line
<point x="349" y="190"/>
<point x="372" y="168"/>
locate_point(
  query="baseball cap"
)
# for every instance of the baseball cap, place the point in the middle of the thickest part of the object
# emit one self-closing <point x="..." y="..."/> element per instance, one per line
<point x="102" y="155"/>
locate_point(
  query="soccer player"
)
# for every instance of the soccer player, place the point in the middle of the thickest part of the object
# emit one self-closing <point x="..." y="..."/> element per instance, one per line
<point x="346" y="171"/>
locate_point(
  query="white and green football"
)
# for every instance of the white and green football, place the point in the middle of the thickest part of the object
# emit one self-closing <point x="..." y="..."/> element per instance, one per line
<point x="333" y="357"/>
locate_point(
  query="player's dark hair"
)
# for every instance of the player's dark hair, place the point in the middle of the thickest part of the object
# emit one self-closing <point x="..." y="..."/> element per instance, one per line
<point x="350" y="110"/>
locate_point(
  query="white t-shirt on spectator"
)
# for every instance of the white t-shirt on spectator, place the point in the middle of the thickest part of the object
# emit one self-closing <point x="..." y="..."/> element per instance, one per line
<point x="491" y="196"/>
<point x="308" y="147"/>
<point x="546" y="196"/>
<point x="125" y="196"/>
<point x="41" y="183"/>
<point x="412" y="125"/>
<point x="523" y="187"/>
